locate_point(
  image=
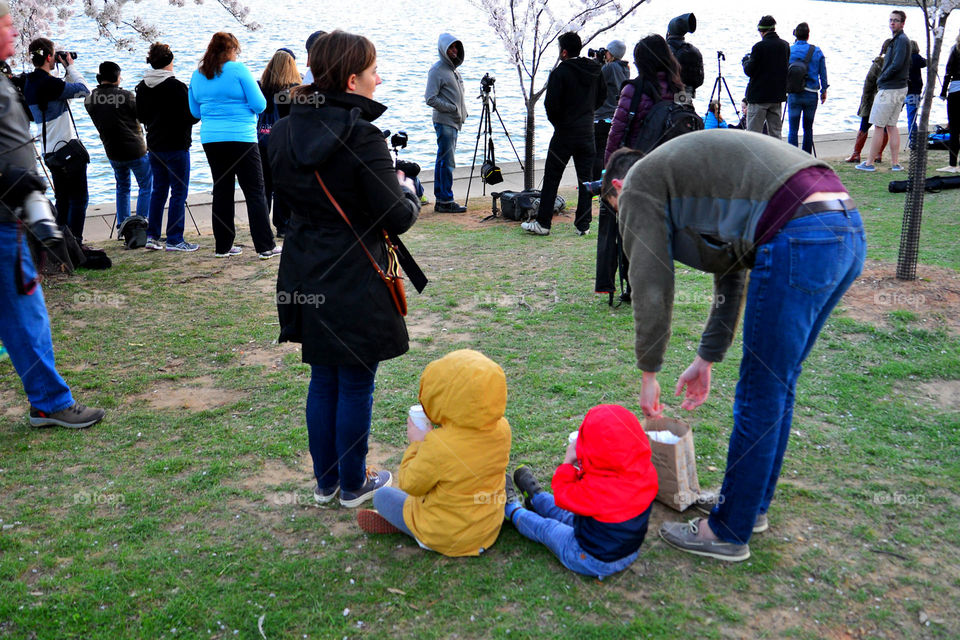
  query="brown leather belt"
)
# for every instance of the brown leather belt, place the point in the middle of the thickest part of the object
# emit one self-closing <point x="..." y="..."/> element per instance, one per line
<point x="820" y="206"/>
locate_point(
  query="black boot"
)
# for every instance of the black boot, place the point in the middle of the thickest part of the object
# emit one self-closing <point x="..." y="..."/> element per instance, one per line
<point x="526" y="483"/>
<point x="512" y="498"/>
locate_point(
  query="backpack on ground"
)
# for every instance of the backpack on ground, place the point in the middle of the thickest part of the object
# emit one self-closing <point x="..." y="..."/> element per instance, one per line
<point x="133" y="230"/>
<point x="522" y="205"/>
<point x="797" y="72"/>
<point x="666" y="120"/>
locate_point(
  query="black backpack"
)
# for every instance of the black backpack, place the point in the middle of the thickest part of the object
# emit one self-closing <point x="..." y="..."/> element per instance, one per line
<point x="522" y="205"/>
<point x="797" y="72"/>
<point x="269" y="116"/>
<point x="666" y="120"/>
<point x="691" y="63"/>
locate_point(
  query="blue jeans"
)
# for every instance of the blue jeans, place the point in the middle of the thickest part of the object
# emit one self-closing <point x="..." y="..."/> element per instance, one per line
<point x="797" y="279"/>
<point x="552" y="526"/>
<point x="388" y="502"/>
<point x="25" y="328"/>
<point x="804" y="104"/>
<point x="443" y="171"/>
<point x="339" y="407"/>
<point x="121" y="171"/>
<point x="913" y="107"/>
<point x="171" y="172"/>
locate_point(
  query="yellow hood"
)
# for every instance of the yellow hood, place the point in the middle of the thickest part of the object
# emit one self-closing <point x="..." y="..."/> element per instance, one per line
<point x="464" y="389"/>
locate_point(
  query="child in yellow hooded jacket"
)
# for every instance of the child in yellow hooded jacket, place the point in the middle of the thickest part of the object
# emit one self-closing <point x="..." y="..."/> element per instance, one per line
<point x="450" y="493"/>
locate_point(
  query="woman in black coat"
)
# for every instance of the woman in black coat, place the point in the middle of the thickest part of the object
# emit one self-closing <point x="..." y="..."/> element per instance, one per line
<point x="329" y="296"/>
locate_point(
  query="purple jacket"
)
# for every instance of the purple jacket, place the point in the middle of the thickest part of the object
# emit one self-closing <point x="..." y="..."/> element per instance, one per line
<point x="618" y="126"/>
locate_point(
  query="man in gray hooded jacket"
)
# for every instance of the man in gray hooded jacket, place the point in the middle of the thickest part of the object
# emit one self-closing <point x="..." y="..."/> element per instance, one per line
<point x="445" y="94"/>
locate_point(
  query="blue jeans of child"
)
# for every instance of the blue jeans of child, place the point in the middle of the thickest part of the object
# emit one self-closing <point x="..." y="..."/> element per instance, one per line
<point x="552" y="526"/>
<point x="443" y="171"/>
<point x="171" y="173"/>
<point x="801" y="104"/>
<point x="141" y="170"/>
<point x="339" y="407"/>
<point x="388" y="502"/>
<point x="25" y="328"/>
<point x="797" y="279"/>
<point x="913" y="107"/>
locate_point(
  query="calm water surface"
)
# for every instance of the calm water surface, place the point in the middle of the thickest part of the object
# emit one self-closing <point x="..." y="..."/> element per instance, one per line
<point x="405" y="33"/>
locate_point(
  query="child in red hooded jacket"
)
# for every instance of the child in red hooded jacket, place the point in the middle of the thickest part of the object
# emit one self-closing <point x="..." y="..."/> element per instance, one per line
<point x="596" y="519"/>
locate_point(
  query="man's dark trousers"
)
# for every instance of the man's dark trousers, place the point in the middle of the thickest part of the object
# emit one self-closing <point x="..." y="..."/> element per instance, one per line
<point x="562" y="147"/>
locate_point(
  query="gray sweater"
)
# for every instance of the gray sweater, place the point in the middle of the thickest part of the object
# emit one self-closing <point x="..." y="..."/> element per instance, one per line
<point x="896" y="64"/>
<point x="445" y="86"/>
<point x="697" y="200"/>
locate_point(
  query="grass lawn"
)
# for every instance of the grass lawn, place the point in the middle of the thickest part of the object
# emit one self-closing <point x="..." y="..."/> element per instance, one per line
<point x="188" y="512"/>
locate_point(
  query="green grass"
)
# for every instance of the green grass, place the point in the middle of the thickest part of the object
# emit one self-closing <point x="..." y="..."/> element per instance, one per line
<point x="196" y="516"/>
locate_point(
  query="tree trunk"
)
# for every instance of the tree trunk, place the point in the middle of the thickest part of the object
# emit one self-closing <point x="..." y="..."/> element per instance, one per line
<point x="913" y="205"/>
<point x="529" y="131"/>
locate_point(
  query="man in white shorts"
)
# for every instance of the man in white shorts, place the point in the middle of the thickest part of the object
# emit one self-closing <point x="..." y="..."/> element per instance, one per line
<point x="891" y="93"/>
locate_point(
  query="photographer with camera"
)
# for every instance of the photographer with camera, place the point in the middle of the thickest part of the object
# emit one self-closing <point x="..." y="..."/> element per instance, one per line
<point x="63" y="153"/>
<point x="445" y="94"/>
<point x="689" y="57"/>
<point x="24" y="324"/>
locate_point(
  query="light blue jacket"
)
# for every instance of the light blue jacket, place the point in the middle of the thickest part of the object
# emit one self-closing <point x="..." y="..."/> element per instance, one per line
<point x="227" y="105"/>
<point x="816" y="70"/>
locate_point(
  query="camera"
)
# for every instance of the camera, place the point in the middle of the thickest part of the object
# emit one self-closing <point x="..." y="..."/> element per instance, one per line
<point x="600" y="55"/>
<point x="399" y="140"/>
<point x="61" y="56"/>
<point x="487" y="82"/>
<point x="593" y="187"/>
<point x="37" y="213"/>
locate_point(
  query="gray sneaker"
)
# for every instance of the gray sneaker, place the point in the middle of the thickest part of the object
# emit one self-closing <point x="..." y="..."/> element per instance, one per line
<point x="683" y="536"/>
<point x="77" y="416"/>
<point x="375" y="481"/>
<point x="707" y="500"/>
<point x="183" y="246"/>
<point x="326" y="496"/>
<point x="153" y="244"/>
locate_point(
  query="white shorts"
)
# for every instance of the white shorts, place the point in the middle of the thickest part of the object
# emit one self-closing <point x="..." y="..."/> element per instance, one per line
<point x="887" y="106"/>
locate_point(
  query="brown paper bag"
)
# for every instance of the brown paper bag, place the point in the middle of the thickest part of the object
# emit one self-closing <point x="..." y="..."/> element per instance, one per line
<point x="676" y="464"/>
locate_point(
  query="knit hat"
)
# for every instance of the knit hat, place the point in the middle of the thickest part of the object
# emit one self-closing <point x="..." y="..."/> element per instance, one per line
<point x="767" y="23"/>
<point x="4" y="8"/>
<point x="109" y="71"/>
<point x="616" y="48"/>
<point x="287" y="50"/>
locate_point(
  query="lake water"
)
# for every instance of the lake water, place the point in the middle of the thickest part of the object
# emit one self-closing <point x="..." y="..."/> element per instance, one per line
<point x="405" y="33"/>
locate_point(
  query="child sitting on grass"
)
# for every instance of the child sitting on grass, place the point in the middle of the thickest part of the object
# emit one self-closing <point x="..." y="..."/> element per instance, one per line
<point x="450" y="496"/>
<point x="597" y="518"/>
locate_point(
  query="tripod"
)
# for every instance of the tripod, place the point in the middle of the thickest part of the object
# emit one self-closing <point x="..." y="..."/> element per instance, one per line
<point x="489" y="97"/>
<point x="722" y="81"/>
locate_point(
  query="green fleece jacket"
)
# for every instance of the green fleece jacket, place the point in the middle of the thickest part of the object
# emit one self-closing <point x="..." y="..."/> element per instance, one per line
<point x="697" y="200"/>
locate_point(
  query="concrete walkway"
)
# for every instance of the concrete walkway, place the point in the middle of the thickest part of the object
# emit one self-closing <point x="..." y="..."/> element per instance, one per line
<point x="832" y="146"/>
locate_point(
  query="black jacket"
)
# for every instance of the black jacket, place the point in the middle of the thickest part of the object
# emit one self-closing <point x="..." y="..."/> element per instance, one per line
<point x="575" y="90"/>
<point x="329" y="296"/>
<point x="164" y="110"/>
<point x="114" y="114"/>
<point x="690" y="59"/>
<point x="767" y="68"/>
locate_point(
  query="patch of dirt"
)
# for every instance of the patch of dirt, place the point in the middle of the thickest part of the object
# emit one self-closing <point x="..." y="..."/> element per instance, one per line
<point x="198" y="394"/>
<point x="11" y="406"/>
<point x="422" y="324"/>
<point x="945" y="394"/>
<point x="271" y="357"/>
<point x="934" y="296"/>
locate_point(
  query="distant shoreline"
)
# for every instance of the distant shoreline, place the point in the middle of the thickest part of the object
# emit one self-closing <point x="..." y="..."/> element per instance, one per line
<point x="896" y="3"/>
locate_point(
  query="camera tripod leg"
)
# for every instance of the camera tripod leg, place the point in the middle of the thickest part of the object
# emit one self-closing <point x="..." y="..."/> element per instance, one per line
<point x="482" y="130"/>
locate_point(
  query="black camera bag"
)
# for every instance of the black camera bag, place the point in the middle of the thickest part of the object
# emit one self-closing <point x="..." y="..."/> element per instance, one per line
<point x="523" y="205"/>
<point x="489" y="171"/>
<point x="133" y="230"/>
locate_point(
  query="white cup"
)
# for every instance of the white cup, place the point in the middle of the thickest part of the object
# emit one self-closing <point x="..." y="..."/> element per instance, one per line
<point x="419" y="418"/>
<point x="572" y="438"/>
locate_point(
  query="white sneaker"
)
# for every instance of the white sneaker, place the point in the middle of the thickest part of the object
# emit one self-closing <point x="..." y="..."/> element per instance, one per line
<point x="234" y="251"/>
<point x="948" y="169"/>
<point x="266" y="255"/>
<point x="534" y="227"/>
<point x="153" y="244"/>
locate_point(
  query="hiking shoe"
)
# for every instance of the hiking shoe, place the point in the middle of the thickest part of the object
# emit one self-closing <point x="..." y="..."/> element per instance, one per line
<point x="266" y="255"/>
<point x="183" y="246"/>
<point x="526" y="483"/>
<point x="896" y="167"/>
<point x="707" y="500"/>
<point x="534" y="227"/>
<point x="77" y="416"/>
<point x="513" y="501"/>
<point x="683" y="536"/>
<point x="375" y="480"/>
<point x="948" y="169"/>
<point x="153" y="244"/>
<point x="234" y="251"/>
<point x="325" y="496"/>
<point x="448" y="207"/>
<point x="863" y="166"/>
<point x="372" y="522"/>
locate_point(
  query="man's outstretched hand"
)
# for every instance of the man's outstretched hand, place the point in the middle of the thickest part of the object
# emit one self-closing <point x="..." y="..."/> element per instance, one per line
<point x="696" y="379"/>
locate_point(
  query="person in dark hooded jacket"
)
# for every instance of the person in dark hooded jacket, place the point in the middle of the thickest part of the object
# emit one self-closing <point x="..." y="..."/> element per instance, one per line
<point x="574" y="91"/>
<point x="329" y="296"/>
<point x="446" y="95"/>
<point x="687" y="55"/>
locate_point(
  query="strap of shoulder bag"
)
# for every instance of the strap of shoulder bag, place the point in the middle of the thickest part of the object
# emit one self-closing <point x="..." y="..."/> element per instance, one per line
<point x="336" y="205"/>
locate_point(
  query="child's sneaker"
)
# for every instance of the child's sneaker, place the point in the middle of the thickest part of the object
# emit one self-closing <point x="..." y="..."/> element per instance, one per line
<point x="372" y="522"/>
<point x="513" y="501"/>
<point x="375" y="480"/>
<point x="325" y="496"/>
<point x="526" y="483"/>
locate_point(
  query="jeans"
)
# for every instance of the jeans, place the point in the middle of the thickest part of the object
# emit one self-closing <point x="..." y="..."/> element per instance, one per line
<point x="141" y="170"/>
<point x="953" y="121"/>
<point x="171" y="172"/>
<point x="25" y="328"/>
<point x="552" y="526"/>
<point x="804" y="104"/>
<point x="765" y="113"/>
<point x="388" y="502"/>
<point x="71" y="196"/>
<point x="912" y="101"/>
<point x="562" y="147"/>
<point x="797" y="279"/>
<point x="339" y="407"/>
<point x="446" y="162"/>
<point x="240" y="161"/>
